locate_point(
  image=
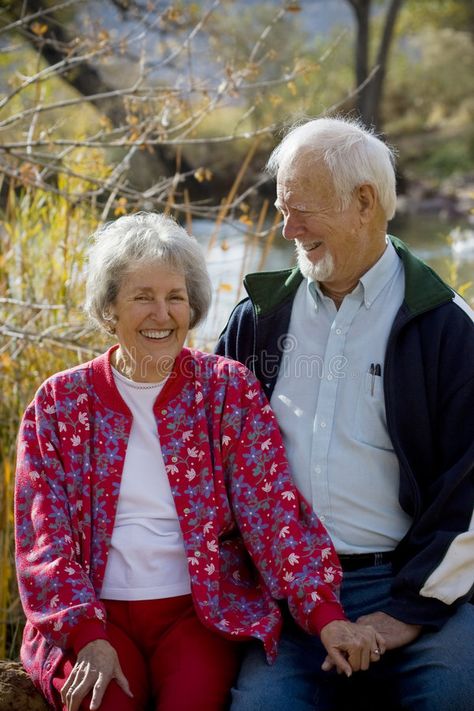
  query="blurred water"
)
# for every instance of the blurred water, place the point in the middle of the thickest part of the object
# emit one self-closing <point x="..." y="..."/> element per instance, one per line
<point x="234" y="254"/>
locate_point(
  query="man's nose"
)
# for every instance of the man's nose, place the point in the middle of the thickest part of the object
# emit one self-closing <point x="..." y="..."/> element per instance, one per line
<point x="291" y="227"/>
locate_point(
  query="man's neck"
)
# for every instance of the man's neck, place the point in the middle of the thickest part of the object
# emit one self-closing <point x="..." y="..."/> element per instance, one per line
<point x="337" y="292"/>
<point x="337" y="295"/>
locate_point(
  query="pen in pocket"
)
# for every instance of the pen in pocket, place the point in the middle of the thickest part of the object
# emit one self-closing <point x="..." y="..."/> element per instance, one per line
<point x="375" y="370"/>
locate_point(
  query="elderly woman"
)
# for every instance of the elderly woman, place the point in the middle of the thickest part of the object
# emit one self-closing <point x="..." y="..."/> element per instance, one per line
<point x="156" y="521"/>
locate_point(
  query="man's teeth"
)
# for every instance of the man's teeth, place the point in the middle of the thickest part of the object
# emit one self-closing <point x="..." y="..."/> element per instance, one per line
<point x="156" y="334"/>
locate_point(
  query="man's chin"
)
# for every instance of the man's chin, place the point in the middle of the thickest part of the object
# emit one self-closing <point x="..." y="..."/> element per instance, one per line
<point x="321" y="271"/>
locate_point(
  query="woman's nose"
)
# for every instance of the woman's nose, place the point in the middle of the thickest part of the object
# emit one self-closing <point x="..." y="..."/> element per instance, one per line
<point x="160" y="310"/>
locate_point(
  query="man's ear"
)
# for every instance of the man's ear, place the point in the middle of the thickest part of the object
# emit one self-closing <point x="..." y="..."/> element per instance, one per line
<point x="367" y="198"/>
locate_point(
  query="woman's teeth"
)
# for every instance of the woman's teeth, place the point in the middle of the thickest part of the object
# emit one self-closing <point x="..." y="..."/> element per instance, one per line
<point x="156" y="334"/>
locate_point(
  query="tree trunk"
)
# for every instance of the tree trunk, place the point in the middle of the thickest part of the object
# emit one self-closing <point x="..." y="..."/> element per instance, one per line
<point x="369" y="98"/>
<point x="362" y="13"/>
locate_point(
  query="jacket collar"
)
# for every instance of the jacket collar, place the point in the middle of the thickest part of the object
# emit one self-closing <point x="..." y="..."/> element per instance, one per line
<point x="104" y="383"/>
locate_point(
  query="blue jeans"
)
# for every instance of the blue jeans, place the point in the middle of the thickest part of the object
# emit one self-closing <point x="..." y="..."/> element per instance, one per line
<point x="434" y="673"/>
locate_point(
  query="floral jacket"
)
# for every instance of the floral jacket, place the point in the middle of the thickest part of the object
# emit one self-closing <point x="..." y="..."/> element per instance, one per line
<point x="233" y="495"/>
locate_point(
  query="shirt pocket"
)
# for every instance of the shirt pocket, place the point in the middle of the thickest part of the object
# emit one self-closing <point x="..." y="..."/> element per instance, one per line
<point x="370" y="423"/>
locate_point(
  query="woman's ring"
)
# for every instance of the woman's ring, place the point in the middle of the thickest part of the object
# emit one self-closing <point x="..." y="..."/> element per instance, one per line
<point x="376" y="651"/>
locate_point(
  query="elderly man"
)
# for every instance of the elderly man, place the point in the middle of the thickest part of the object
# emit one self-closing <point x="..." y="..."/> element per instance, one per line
<point x="368" y="360"/>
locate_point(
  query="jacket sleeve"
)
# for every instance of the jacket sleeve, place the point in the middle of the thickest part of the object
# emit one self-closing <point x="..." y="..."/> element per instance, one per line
<point x="56" y="593"/>
<point x="434" y="439"/>
<point x="289" y="546"/>
<point x="237" y="340"/>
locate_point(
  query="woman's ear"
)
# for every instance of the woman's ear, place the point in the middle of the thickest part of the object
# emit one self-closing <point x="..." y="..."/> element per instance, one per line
<point x="110" y="320"/>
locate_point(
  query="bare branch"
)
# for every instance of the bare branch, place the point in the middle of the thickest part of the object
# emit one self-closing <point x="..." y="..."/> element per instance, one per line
<point x="26" y="19"/>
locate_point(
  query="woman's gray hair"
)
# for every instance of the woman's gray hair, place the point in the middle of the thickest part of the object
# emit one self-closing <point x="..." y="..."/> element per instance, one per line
<point x="136" y="240"/>
<point x="353" y="155"/>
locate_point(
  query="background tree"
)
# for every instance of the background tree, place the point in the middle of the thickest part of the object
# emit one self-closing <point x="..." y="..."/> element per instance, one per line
<point x="371" y="79"/>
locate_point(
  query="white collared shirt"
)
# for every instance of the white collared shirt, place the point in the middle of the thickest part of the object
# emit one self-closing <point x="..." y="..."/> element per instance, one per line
<point x="331" y="409"/>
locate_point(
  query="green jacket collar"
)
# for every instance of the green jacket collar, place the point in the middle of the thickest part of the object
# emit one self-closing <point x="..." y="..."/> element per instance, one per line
<point x="424" y="289"/>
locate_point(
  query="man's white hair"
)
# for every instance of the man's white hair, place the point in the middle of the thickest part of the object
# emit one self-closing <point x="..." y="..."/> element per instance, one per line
<point x="352" y="154"/>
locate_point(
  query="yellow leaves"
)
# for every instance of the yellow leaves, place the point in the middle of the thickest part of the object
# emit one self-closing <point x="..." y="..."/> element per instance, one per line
<point x="105" y="122"/>
<point x="275" y="100"/>
<point x="252" y="70"/>
<point x="134" y="136"/>
<point x="121" y="207"/>
<point x="245" y="218"/>
<point x="202" y="174"/>
<point x="292" y="88"/>
<point x="463" y="289"/>
<point x="293" y="7"/>
<point x="305" y="68"/>
<point x="39" y="28"/>
<point x="172" y="14"/>
<point x="28" y="174"/>
<point x="6" y="363"/>
<point x="103" y="36"/>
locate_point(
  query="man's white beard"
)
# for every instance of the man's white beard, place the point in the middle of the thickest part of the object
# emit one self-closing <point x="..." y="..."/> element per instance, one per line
<point x="321" y="271"/>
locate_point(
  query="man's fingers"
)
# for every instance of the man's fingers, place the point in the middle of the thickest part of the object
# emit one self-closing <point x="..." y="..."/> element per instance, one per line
<point x="364" y="658"/>
<point x="381" y="644"/>
<point x="375" y="655"/>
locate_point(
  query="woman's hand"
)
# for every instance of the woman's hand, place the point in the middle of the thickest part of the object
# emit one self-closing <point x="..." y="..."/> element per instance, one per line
<point x="96" y="665"/>
<point x="351" y="647"/>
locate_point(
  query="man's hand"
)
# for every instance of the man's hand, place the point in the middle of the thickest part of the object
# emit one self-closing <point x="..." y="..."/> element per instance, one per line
<point x="97" y="664"/>
<point x="395" y="632"/>
<point x="351" y="647"/>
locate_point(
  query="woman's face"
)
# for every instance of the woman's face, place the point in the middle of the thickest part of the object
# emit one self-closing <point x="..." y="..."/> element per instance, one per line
<point x="153" y="313"/>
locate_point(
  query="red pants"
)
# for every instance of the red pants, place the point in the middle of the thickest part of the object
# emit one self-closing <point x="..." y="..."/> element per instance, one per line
<point x="167" y="655"/>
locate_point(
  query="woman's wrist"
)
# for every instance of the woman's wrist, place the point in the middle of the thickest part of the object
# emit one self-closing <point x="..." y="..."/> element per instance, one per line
<point x="86" y="632"/>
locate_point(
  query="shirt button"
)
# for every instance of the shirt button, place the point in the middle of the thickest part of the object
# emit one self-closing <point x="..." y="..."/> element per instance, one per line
<point x="317" y="470"/>
<point x="323" y="424"/>
<point x="330" y="376"/>
<point x="322" y="518"/>
<point x="338" y="331"/>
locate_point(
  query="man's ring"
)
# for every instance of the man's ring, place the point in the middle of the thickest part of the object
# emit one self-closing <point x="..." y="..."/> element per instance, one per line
<point x="376" y="651"/>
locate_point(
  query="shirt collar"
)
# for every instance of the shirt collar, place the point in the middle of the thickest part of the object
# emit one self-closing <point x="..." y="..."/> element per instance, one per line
<point x="372" y="282"/>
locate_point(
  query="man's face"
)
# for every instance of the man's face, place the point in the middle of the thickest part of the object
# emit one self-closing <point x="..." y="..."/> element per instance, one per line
<point x="331" y="243"/>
